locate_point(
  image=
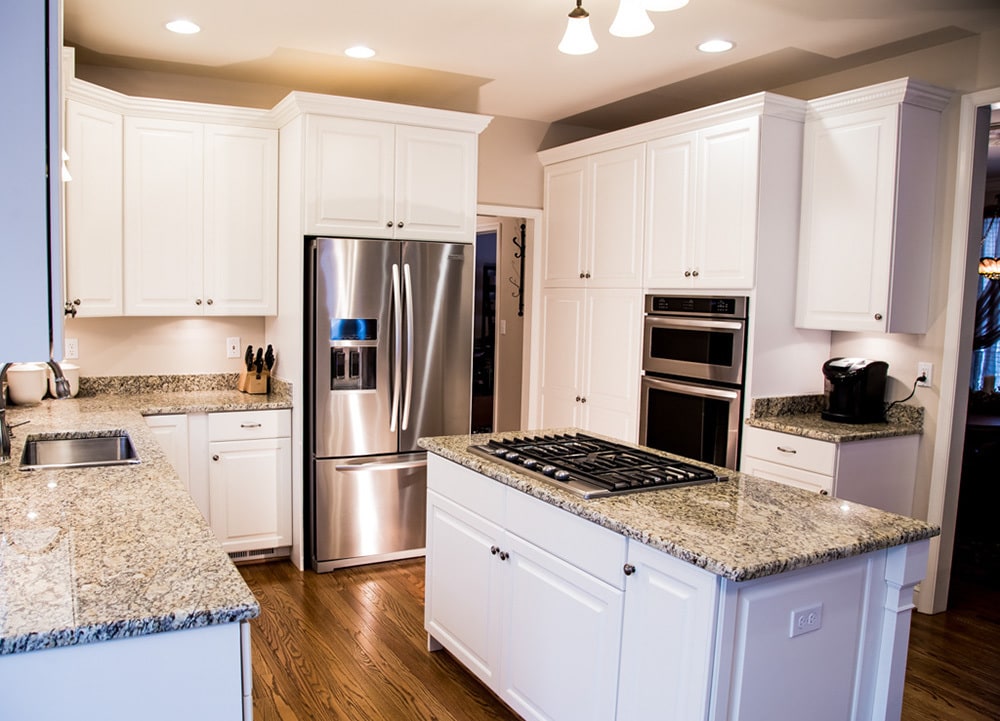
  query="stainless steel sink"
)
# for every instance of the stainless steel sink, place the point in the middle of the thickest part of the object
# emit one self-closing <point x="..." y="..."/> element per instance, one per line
<point x="105" y="448"/>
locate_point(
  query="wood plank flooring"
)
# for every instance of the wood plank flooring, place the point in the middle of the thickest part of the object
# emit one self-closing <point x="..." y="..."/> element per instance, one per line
<point x="350" y="645"/>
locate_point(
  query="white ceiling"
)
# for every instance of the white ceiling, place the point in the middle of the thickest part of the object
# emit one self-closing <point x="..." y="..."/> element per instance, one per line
<point x="499" y="57"/>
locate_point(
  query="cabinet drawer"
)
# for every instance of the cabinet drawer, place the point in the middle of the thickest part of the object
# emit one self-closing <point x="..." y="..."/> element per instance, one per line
<point x="586" y="545"/>
<point x="788" y="450"/>
<point x="788" y="475"/>
<point x="247" y="425"/>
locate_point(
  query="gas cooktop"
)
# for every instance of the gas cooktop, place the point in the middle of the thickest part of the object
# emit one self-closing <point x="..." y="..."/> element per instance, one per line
<point x="592" y="467"/>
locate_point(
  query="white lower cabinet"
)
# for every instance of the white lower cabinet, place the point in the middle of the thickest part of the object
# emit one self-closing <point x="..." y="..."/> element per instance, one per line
<point x="237" y="467"/>
<point x="667" y="638"/>
<point x="880" y="472"/>
<point x="538" y="629"/>
<point x="249" y="479"/>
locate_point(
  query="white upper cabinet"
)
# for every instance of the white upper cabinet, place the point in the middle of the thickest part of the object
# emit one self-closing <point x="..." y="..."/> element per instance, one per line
<point x="200" y="218"/>
<point x="701" y="207"/>
<point x="593" y="220"/>
<point x="163" y="217"/>
<point x="241" y="224"/>
<point x="94" y="237"/>
<point x="869" y="176"/>
<point x="372" y="179"/>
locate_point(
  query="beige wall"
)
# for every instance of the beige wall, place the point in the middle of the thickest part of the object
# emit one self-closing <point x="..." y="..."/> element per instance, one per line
<point x="150" y="346"/>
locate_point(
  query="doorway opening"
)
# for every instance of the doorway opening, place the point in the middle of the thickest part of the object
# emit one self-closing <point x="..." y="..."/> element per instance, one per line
<point x="498" y="337"/>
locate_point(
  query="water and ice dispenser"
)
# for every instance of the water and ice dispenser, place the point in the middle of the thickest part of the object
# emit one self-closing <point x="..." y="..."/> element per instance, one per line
<point x="353" y="349"/>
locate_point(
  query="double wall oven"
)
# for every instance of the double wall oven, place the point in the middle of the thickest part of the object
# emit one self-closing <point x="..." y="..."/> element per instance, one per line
<point x="693" y="354"/>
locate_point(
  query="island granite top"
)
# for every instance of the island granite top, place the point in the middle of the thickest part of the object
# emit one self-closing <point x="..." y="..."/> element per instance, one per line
<point x="740" y="529"/>
<point x="93" y="554"/>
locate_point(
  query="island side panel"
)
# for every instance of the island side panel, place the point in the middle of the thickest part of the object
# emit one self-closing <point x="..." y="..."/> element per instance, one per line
<point x="195" y="674"/>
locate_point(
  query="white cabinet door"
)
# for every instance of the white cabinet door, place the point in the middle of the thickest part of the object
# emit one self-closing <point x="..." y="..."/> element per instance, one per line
<point x="667" y="638"/>
<point x="94" y="210"/>
<point x="171" y="433"/>
<point x="241" y="225"/>
<point x="349" y="167"/>
<point x="164" y="221"/>
<point x="611" y="361"/>
<point x="561" y="357"/>
<point x="435" y="184"/>
<point x="463" y="592"/>
<point x="561" y="638"/>
<point x="613" y="258"/>
<point x="725" y="239"/>
<point x="670" y="211"/>
<point x="250" y="487"/>
<point x="701" y="224"/>
<point x="594" y="220"/>
<point x="564" y="253"/>
<point x="847" y="205"/>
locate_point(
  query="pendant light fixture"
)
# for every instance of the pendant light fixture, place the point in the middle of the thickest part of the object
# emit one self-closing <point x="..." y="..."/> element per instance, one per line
<point x="578" y="39"/>
<point x="631" y="20"/>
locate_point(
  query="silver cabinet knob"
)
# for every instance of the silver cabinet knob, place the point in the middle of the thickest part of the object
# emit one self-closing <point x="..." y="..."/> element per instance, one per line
<point x="588" y="274"/>
<point x="399" y="224"/>
<point x="388" y="224"/>
<point x="197" y="301"/>
<point x="215" y="457"/>
<point x="824" y="492"/>
<point x="578" y="399"/>
<point x="628" y="569"/>
<point x="210" y="301"/>
<point x="687" y="273"/>
<point x="878" y="316"/>
<point x="504" y="555"/>
<point x="694" y="273"/>
<point x="583" y="400"/>
<point x="494" y="550"/>
<point x="582" y="275"/>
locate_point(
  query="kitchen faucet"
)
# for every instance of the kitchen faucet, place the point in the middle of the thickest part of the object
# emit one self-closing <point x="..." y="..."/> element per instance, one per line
<point x="62" y="391"/>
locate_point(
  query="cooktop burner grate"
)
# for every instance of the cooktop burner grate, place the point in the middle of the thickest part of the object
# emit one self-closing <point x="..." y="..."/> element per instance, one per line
<point x="592" y="467"/>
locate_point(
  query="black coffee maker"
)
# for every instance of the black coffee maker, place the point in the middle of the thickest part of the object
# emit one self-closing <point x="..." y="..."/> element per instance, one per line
<point x="855" y="390"/>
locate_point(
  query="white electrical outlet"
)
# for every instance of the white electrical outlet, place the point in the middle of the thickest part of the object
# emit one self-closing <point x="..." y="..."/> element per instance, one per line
<point x="806" y="620"/>
<point x="926" y="370"/>
<point x="233" y="347"/>
<point x="72" y="349"/>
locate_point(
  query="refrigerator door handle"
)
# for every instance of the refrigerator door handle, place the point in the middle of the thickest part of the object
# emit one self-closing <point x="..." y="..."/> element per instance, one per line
<point x="408" y="289"/>
<point x="397" y="326"/>
<point x="380" y="465"/>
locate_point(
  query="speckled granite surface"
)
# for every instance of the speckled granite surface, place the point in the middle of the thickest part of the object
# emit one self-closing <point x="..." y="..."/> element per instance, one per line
<point x="740" y="529"/>
<point x="93" y="554"/>
<point x="800" y="416"/>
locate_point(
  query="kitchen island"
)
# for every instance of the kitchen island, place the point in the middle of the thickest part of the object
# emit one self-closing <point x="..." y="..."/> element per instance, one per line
<point x="116" y="600"/>
<point x="742" y="599"/>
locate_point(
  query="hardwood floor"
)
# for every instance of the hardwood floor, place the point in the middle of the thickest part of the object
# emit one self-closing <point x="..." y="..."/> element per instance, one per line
<point x="350" y="645"/>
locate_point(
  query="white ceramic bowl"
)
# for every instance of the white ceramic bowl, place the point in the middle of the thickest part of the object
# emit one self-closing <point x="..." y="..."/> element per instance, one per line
<point x="26" y="383"/>
<point x="72" y="373"/>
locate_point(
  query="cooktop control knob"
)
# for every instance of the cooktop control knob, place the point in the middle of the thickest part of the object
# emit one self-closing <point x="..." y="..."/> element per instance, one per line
<point x="548" y="470"/>
<point x="513" y="457"/>
<point x="529" y="463"/>
<point x="561" y="475"/>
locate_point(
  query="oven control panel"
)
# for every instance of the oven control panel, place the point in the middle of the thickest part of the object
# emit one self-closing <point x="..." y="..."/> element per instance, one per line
<point x="698" y="305"/>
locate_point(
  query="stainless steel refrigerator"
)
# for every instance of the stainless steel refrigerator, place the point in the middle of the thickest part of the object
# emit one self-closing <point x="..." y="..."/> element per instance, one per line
<point x="389" y="336"/>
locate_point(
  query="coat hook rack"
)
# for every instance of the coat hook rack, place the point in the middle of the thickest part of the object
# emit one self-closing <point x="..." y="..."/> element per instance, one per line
<point x="521" y="245"/>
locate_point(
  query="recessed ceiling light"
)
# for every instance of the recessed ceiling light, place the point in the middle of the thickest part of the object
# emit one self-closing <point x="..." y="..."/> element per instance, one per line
<point x="183" y="27"/>
<point x="360" y="51"/>
<point x="715" y="46"/>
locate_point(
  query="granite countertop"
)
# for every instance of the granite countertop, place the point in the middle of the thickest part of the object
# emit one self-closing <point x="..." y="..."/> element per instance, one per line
<point x="739" y="529"/>
<point x="800" y="416"/>
<point x="93" y="554"/>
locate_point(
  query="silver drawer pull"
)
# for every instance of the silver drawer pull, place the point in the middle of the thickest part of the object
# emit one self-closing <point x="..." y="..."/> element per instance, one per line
<point x="786" y="449"/>
<point x="249" y="425"/>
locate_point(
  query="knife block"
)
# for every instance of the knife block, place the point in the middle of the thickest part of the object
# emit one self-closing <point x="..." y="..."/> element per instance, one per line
<point x="250" y="382"/>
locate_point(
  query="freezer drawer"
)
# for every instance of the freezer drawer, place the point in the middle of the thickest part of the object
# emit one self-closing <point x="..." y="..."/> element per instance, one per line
<point x="369" y="509"/>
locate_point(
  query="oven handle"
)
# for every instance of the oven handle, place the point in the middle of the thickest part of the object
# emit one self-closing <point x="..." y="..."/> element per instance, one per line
<point x="690" y="389"/>
<point x="665" y="322"/>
